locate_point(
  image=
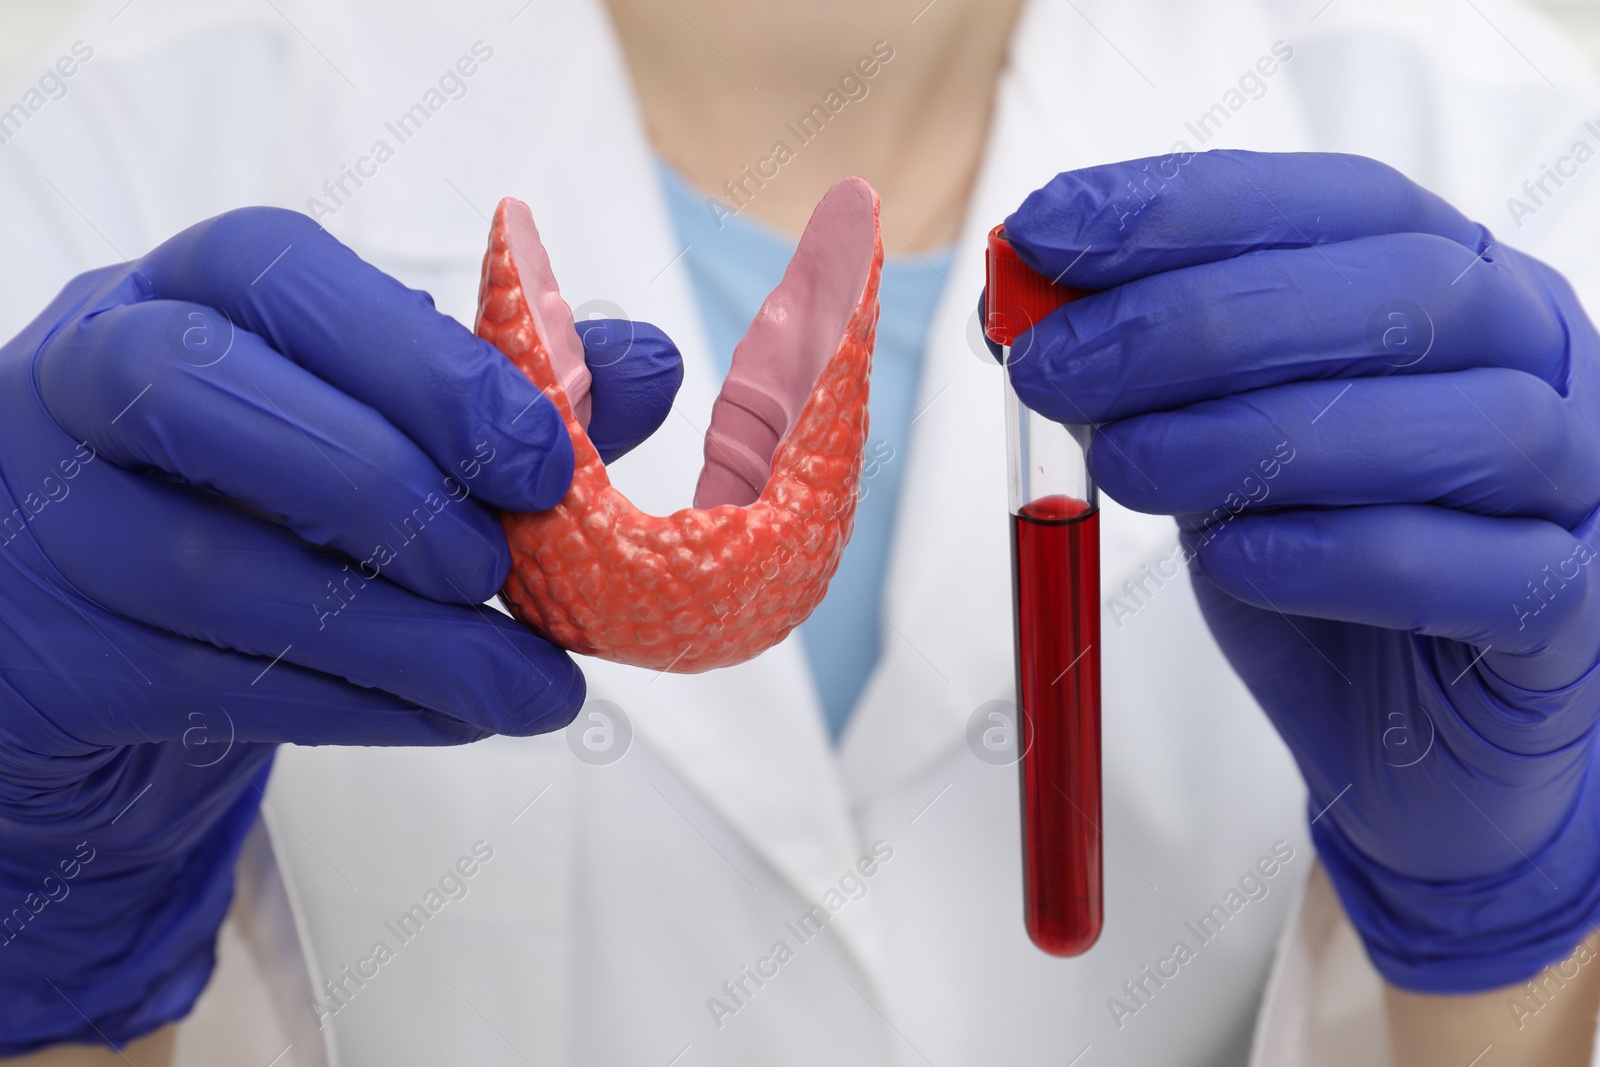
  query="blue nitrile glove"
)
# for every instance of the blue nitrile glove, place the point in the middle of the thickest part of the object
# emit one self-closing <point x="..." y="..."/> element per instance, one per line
<point x="1378" y="429"/>
<point x="246" y="486"/>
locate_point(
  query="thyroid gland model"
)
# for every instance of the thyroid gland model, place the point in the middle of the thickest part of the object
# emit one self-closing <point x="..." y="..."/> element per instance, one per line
<point x="723" y="581"/>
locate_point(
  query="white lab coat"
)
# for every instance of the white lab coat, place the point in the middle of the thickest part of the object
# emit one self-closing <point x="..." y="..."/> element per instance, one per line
<point x="621" y="898"/>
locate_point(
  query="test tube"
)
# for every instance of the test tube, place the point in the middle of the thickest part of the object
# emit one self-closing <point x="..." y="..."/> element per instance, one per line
<point x="1055" y="570"/>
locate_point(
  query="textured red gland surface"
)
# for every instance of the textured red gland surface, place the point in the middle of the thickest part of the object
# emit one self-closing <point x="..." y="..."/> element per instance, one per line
<point x="717" y="584"/>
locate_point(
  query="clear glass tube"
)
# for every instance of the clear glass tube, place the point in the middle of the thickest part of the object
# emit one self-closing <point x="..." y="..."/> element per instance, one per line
<point x="1045" y="458"/>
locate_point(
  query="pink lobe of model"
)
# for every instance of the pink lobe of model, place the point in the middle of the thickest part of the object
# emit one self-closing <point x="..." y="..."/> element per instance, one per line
<point x="721" y="582"/>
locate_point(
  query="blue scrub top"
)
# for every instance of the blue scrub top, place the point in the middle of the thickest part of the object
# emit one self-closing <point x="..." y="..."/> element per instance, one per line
<point x="733" y="264"/>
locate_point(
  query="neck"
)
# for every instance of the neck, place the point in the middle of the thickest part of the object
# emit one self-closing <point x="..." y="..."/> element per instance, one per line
<point x="764" y="106"/>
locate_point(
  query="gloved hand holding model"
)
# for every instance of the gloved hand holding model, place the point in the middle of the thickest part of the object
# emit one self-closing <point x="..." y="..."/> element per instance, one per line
<point x="1378" y="429"/>
<point x="245" y="502"/>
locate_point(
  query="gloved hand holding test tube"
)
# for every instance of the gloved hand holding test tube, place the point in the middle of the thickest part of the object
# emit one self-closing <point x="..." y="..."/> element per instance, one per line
<point x="1055" y="571"/>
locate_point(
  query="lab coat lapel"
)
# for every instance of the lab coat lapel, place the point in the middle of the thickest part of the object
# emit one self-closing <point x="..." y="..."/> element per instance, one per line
<point x="1086" y="84"/>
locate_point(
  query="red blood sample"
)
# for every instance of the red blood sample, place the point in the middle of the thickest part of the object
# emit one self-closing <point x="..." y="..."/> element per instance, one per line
<point x="1055" y="557"/>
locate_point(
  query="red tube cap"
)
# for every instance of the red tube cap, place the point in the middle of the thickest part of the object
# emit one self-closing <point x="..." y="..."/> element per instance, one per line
<point x="1017" y="296"/>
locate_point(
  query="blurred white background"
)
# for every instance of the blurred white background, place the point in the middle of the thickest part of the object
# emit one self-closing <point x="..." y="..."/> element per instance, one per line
<point x="1581" y="18"/>
<point x="24" y="24"/>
